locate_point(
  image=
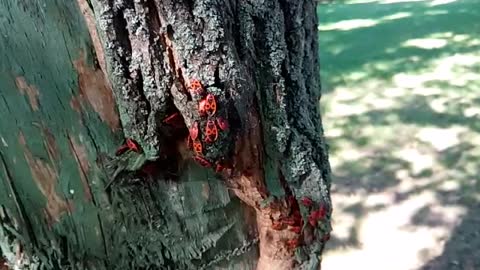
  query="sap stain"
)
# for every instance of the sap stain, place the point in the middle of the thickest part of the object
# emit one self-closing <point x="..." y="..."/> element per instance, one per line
<point x="92" y="29"/>
<point x="50" y="144"/>
<point x="30" y="90"/>
<point x="95" y="90"/>
<point x="45" y="176"/>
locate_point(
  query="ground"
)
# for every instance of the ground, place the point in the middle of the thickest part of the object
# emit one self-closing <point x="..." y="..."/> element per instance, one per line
<point x="401" y="108"/>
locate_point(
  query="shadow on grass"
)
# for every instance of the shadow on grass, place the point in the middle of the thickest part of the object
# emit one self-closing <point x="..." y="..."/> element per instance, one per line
<point x="462" y="251"/>
<point x="421" y="150"/>
<point x="379" y="49"/>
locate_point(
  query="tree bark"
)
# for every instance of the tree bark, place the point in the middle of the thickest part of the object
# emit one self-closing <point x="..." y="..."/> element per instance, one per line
<point x="79" y="77"/>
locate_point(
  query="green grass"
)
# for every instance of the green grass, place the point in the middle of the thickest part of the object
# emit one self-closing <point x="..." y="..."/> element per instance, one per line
<point x="401" y="109"/>
<point x="367" y="49"/>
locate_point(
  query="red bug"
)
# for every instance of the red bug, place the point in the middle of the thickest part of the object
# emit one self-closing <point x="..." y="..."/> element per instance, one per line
<point x="171" y="118"/>
<point x="122" y="149"/>
<point x="209" y="106"/>
<point x="312" y="220"/>
<point x="293" y="243"/>
<point x="201" y="107"/>
<point x="326" y="237"/>
<point x="219" y="167"/>
<point x="133" y="145"/>
<point x="128" y="145"/>
<point x="306" y="201"/>
<point x="211" y="132"/>
<point x="222" y="124"/>
<point x="202" y="161"/>
<point x="197" y="147"/>
<point x="277" y="225"/>
<point x="322" y="212"/>
<point x="194" y="131"/>
<point x="296" y="229"/>
<point x="316" y="215"/>
<point x="289" y="221"/>
<point x="196" y="89"/>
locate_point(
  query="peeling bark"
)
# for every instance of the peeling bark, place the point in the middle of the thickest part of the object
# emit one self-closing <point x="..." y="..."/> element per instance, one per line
<point x="157" y="209"/>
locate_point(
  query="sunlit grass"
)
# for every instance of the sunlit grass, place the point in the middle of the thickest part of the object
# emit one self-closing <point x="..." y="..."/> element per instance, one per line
<point x="399" y="1"/>
<point x="360" y="23"/>
<point x="400" y="109"/>
<point x="441" y="2"/>
<point x="348" y="25"/>
<point x="426" y="43"/>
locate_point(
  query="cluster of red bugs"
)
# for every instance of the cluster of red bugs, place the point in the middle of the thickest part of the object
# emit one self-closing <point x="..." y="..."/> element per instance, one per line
<point x="128" y="145"/>
<point x="295" y="223"/>
<point x="207" y="107"/>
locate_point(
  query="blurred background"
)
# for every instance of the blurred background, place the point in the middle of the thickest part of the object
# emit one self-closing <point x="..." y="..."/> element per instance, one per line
<point x="401" y="109"/>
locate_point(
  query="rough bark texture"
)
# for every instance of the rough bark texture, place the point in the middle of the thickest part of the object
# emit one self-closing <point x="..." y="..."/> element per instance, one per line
<point x="67" y="202"/>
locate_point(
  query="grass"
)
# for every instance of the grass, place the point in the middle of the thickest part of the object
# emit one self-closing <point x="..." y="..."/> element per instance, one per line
<point x="401" y="109"/>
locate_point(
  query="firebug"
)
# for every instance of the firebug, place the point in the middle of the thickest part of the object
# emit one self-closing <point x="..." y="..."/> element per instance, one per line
<point x="277" y="225"/>
<point x="202" y="105"/>
<point x="170" y="119"/>
<point x="306" y="201"/>
<point x="211" y="132"/>
<point x="293" y="243"/>
<point x="208" y="105"/>
<point x="196" y="89"/>
<point x="194" y="131"/>
<point x="296" y="229"/>
<point x="133" y="145"/>
<point x="202" y="161"/>
<point x="222" y="123"/>
<point x="197" y="147"/>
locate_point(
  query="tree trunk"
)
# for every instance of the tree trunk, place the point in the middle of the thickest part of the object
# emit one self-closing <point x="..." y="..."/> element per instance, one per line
<point x="77" y="78"/>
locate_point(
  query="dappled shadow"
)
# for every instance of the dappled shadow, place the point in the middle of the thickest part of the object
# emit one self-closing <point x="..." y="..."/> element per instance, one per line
<point x="373" y="174"/>
<point x="401" y="111"/>
<point x="384" y="38"/>
<point x="462" y="250"/>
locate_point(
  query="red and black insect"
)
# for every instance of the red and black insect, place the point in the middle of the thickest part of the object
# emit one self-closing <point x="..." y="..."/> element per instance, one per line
<point x="278" y="225"/>
<point x="212" y="104"/>
<point x="202" y="161"/>
<point x="219" y="167"/>
<point x="289" y="221"/>
<point x="170" y="119"/>
<point x="222" y="123"/>
<point x="128" y="145"/>
<point x="211" y="132"/>
<point x="197" y="147"/>
<point x="296" y="229"/>
<point x="196" y="89"/>
<point x="133" y="145"/>
<point x="316" y="215"/>
<point x="208" y="105"/>
<point x="194" y="131"/>
<point x="293" y="243"/>
<point x="306" y="201"/>
<point x="201" y="107"/>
